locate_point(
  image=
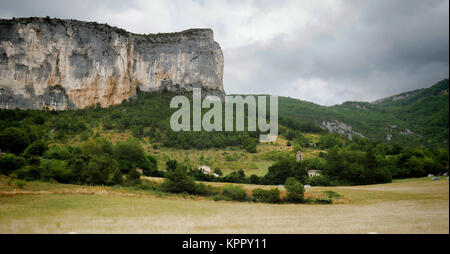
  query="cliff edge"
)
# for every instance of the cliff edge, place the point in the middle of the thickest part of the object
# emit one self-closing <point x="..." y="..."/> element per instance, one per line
<point x="65" y="64"/>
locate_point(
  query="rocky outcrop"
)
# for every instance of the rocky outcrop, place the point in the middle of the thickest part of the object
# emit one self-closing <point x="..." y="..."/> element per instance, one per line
<point x="63" y="64"/>
<point x="341" y="128"/>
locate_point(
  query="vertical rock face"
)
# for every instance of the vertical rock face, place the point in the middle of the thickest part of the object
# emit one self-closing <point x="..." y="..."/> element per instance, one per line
<point x="63" y="64"/>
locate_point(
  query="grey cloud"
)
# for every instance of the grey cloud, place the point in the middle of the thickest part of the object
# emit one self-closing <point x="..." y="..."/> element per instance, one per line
<point x="391" y="48"/>
<point x="330" y="53"/>
<point x="81" y="9"/>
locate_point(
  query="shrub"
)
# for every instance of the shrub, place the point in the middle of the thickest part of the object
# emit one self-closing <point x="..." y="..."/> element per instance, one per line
<point x="133" y="178"/>
<point x="37" y="148"/>
<point x="150" y="167"/>
<point x="205" y="190"/>
<point x="56" y="170"/>
<point x="148" y="185"/>
<point x="332" y="194"/>
<point x="171" y="165"/>
<point x="234" y="192"/>
<point x="95" y="169"/>
<point x="97" y="146"/>
<point x="235" y="177"/>
<point x="20" y="183"/>
<point x="29" y="173"/>
<point x="284" y="168"/>
<point x="58" y="152"/>
<point x="130" y="154"/>
<point x="10" y="162"/>
<point x="254" y="179"/>
<point x="323" y="201"/>
<point x="102" y="170"/>
<point x="126" y="166"/>
<point x="319" y="181"/>
<point x="218" y="171"/>
<point x="267" y="196"/>
<point x="178" y="181"/>
<point x="295" y="190"/>
<point x="13" y="140"/>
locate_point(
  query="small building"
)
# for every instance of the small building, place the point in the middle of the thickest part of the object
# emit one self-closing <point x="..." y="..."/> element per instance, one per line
<point x="299" y="156"/>
<point x="314" y="172"/>
<point x="314" y="145"/>
<point x="205" y="169"/>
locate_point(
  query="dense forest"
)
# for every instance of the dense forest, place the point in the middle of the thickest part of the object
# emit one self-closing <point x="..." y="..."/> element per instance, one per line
<point x="424" y="112"/>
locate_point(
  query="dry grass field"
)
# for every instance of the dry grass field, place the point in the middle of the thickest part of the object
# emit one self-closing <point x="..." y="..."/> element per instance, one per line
<point x="411" y="206"/>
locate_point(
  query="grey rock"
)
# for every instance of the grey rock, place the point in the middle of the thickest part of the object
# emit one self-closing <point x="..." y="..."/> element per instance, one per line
<point x="63" y="64"/>
<point x="341" y="128"/>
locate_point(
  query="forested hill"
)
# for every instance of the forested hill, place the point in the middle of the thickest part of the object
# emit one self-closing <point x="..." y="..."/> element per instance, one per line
<point x="418" y="117"/>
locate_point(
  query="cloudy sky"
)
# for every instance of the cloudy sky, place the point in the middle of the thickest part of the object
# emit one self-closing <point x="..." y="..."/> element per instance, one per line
<point x="325" y="51"/>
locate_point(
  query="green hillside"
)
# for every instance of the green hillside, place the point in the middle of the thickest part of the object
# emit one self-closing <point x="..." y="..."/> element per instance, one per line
<point x="99" y="145"/>
<point x="423" y="112"/>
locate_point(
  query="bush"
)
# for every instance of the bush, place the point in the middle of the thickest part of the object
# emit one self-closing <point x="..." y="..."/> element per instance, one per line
<point x="171" y="165"/>
<point x="29" y="173"/>
<point x="130" y="154"/>
<point x="323" y="201"/>
<point x="150" y="167"/>
<point x="102" y="170"/>
<point x="235" y="177"/>
<point x="332" y="194"/>
<point x="267" y="196"/>
<point x="126" y="166"/>
<point x="178" y="181"/>
<point x="93" y="170"/>
<point x="234" y="192"/>
<point x="13" y="140"/>
<point x="58" y="152"/>
<point x="37" y="148"/>
<point x="133" y="178"/>
<point x="319" y="181"/>
<point x="10" y="162"/>
<point x="20" y="183"/>
<point x="284" y="168"/>
<point x="295" y="190"/>
<point x="254" y="179"/>
<point x="205" y="190"/>
<point x="148" y="185"/>
<point x="56" y="170"/>
<point x="97" y="146"/>
<point x="218" y="171"/>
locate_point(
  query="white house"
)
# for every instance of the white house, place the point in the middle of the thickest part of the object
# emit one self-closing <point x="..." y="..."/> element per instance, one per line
<point x="313" y="172"/>
<point x="205" y="169"/>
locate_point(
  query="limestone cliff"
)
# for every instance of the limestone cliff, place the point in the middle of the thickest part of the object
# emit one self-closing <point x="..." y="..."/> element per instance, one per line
<point x="63" y="64"/>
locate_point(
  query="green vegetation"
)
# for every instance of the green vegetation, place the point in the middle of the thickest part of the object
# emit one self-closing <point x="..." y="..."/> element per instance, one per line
<point x="295" y="190"/>
<point x="77" y="147"/>
<point x="424" y="112"/>
<point x="232" y="193"/>
<point x="267" y="196"/>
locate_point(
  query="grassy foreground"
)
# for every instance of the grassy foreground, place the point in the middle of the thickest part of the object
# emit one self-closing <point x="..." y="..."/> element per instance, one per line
<point x="419" y="206"/>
